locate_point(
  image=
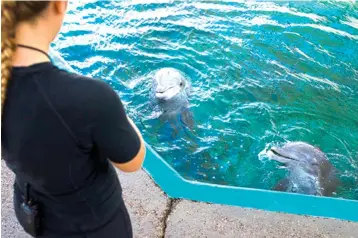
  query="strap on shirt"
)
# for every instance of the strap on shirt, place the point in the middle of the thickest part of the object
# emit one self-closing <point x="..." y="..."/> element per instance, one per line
<point x="58" y="114"/>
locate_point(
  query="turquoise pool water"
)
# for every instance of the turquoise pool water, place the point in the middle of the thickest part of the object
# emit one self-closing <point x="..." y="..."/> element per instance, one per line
<point x="262" y="74"/>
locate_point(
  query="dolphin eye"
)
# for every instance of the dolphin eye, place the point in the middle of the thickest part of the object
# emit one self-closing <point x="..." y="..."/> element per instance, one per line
<point x="181" y="84"/>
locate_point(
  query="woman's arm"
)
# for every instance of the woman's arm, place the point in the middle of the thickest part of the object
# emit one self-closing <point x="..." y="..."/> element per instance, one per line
<point x="136" y="163"/>
<point x="115" y="135"/>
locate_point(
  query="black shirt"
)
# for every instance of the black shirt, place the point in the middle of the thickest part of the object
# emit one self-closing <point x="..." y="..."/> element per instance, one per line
<point x="58" y="131"/>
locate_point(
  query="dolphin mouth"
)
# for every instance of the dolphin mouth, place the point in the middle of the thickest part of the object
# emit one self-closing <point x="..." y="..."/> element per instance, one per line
<point x="166" y="94"/>
<point x="281" y="155"/>
<point x="163" y="91"/>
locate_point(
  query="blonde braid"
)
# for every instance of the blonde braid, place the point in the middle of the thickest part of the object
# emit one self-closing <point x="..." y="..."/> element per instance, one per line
<point x="12" y="13"/>
<point x="8" y="46"/>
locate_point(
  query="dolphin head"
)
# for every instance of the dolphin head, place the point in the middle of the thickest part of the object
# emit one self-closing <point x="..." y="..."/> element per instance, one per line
<point x="168" y="83"/>
<point x="297" y="154"/>
<point x="310" y="170"/>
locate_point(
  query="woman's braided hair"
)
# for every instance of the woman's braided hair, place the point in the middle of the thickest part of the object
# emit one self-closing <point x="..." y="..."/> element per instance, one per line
<point x="12" y="13"/>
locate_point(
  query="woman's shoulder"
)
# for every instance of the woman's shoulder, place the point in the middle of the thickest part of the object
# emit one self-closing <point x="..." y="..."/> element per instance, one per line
<point x="86" y="92"/>
<point x="86" y="84"/>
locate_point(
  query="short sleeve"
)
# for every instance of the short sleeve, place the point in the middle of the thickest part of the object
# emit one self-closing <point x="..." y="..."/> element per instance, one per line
<point x="112" y="132"/>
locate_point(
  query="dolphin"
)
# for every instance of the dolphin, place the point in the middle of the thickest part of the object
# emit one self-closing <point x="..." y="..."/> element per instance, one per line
<point x="310" y="172"/>
<point x="170" y="84"/>
<point x="170" y="91"/>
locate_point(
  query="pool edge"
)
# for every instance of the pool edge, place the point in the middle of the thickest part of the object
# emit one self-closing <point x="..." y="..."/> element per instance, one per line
<point x="175" y="186"/>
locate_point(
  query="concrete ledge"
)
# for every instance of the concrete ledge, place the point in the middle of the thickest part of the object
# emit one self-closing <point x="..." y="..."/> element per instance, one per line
<point x="155" y="215"/>
<point x="192" y="219"/>
<point x="146" y="203"/>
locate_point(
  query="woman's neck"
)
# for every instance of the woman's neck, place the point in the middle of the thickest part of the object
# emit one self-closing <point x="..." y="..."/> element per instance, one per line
<point x="31" y="36"/>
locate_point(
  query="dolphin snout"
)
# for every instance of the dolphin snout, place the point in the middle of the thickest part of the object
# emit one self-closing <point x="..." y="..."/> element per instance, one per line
<point x="160" y="89"/>
<point x="280" y="154"/>
<point x="273" y="151"/>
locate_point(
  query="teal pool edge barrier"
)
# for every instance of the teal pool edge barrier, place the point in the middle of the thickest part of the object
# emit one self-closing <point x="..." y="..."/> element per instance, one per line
<point x="175" y="186"/>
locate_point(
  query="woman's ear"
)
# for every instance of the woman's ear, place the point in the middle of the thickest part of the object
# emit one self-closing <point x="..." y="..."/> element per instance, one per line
<point x="60" y="6"/>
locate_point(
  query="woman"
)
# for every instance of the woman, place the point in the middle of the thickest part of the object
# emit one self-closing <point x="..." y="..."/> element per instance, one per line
<point x="61" y="133"/>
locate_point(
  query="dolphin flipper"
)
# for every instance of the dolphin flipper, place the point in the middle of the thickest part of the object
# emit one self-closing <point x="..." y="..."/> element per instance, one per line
<point x="175" y="131"/>
<point x="330" y="185"/>
<point x="282" y="185"/>
<point x="187" y="119"/>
